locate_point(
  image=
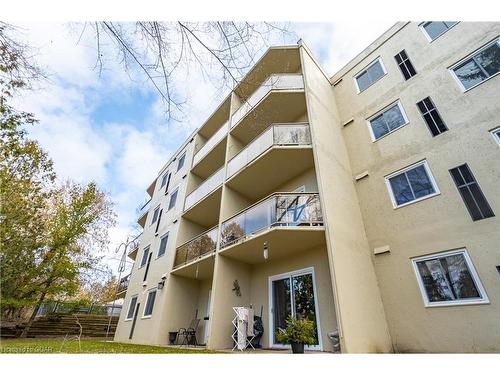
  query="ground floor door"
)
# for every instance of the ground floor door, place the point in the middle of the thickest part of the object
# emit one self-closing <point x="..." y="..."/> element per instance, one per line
<point x="293" y="294"/>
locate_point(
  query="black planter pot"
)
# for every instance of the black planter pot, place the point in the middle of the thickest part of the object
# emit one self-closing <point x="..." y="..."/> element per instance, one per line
<point x="297" y="347"/>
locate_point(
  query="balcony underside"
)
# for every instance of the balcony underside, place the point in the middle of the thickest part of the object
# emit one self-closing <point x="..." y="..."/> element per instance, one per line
<point x="142" y="220"/>
<point x="121" y="293"/>
<point x="212" y="161"/>
<point x="206" y="211"/>
<point x="270" y="170"/>
<point x="205" y="266"/>
<point x="277" y="106"/>
<point x="133" y="253"/>
<point x="282" y="242"/>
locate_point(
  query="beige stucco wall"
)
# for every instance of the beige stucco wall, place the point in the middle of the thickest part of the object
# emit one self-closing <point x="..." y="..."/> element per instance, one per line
<point x="442" y="222"/>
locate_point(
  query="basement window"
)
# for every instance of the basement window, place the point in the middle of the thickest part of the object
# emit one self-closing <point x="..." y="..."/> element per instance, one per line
<point x="448" y="278"/>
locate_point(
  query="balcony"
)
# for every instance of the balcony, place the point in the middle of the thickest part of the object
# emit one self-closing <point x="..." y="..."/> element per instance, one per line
<point x="280" y="153"/>
<point x="204" y="189"/>
<point x="134" y="247"/>
<point x="275" y="82"/>
<point x="143" y="213"/>
<point x="211" y="143"/>
<point x="288" y="222"/>
<point x="122" y="286"/>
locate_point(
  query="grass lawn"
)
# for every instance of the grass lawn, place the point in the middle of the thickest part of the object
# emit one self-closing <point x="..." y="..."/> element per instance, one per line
<point x="58" y="345"/>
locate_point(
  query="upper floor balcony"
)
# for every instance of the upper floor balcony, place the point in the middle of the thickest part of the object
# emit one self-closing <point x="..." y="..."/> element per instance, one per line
<point x="196" y="248"/>
<point x="207" y="187"/>
<point x="274" y="83"/>
<point x="282" y="223"/>
<point x="143" y="213"/>
<point x="123" y="286"/>
<point x="280" y="153"/>
<point x="134" y="247"/>
<point x="211" y="143"/>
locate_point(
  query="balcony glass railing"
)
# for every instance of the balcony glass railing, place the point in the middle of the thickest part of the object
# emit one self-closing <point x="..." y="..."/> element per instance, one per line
<point x="214" y="140"/>
<point x="197" y="247"/>
<point x="123" y="284"/>
<point x="206" y="187"/>
<point x="278" y="134"/>
<point x="144" y="209"/>
<point x="278" y="210"/>
<point x="274" y="82"/>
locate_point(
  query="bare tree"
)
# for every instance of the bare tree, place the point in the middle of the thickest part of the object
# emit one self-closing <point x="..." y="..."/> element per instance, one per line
<point x="222" y="51"/>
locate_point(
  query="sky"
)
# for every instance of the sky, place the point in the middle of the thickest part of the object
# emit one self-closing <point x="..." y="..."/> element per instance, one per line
<point x="110" y="127"/>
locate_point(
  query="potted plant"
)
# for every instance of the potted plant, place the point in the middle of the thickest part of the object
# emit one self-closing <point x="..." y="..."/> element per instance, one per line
<point x="298" y="332"/>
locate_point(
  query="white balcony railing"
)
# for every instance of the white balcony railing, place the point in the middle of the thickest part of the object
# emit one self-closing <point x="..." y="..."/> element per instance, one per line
<point x="206" y="187"/>
<point x="277" y="134"/>
<point x="214" y="140"/>
<point x="274" y="82"/>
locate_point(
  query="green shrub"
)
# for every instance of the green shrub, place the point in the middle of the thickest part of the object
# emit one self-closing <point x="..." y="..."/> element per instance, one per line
<point x="297" y="330"/>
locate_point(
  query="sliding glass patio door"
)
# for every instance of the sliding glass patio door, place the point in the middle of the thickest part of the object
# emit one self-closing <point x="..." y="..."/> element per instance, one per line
<point x="292" y="294"/>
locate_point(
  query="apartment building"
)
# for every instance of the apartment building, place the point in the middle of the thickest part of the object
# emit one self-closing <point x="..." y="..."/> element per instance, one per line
<point x="365" y="202"/>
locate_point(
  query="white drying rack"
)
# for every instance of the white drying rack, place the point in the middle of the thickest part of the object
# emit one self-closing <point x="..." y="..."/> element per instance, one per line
<point x="243" y="335"/>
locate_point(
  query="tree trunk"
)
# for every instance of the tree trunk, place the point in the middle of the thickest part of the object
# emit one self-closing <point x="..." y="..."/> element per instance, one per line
<point x="26" y="329"/>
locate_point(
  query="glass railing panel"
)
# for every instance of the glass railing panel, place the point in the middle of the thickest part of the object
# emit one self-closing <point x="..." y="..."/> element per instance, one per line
<point x="214" y="140"/>
<point x="196" y="248"/>
<point x="274" y="82"/>
<point x="278" y="210"/>
<point x="123" y="284"/>
<point x="249" y="153"/>
<point x="206" y="187"/>
<point x="145" y="208"/>
<point x="280" y="134"/>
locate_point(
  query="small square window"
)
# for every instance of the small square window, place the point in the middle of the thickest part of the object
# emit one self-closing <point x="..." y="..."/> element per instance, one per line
<point x="181" y="161"/>
<point x="369" y="75"/>
<point x="150" y="302"/>
<point x="448" y="279"/>
<point x="434" y="29"/>
<point x="412" y="184"/>
<point x="478" y="67"/>
<point x="131" y="308"/>
<point x="387" y="120"/>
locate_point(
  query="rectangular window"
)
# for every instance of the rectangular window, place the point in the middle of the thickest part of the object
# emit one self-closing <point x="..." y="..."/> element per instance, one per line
<point x="173" y="199"/>
<point x="131" y="308"/>
<point x="181" y="161"/>
<point x="405" y="65"/>
<point x="412" y="184"/>
<point x="471" y="193"/>
<point x="448" y="279"/>
<point x="496" y="135"/>
<point x="387" y="120"/>
<point x="371" y="74"/>
<point x="479" y="66"/>
<point x="163" y="245"/>
<point x="150" y="302"/>
<point x="155" y="215"/>
<point x="435" y="29"/>
<point x="165" y="179"/>
<point x="431" y="116"/>
<point x="144" y="258"/>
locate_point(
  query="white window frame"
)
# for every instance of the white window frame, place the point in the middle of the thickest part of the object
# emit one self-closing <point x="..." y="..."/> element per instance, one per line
<point x="146" y="303"/>
<point x="495" y="133"/>
<point x="468" y="57"/>
<point x="183" y="155"/>
<point x="164" y="175"/>
<point x="142" y="257"/>
<point x="476" y="301"/>
<point x="170" y="198"/>
<point x="153" y="212"/>
<point x="136" y="296"/>
<point x="400" y="171"/>
<point x="355" y="77"/>
<point x="427" y="36"/>
<point x="159" y="245"/>
<point x="369" y="119"/>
